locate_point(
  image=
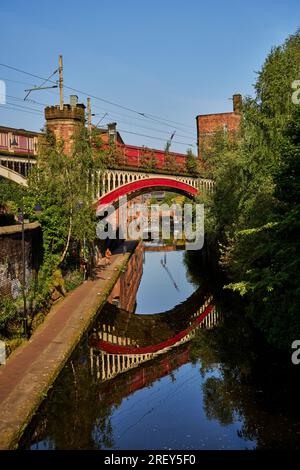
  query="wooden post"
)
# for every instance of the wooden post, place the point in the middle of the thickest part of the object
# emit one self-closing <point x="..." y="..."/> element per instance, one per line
<point x="61" y="83"/>
<point x="89" y="116"/>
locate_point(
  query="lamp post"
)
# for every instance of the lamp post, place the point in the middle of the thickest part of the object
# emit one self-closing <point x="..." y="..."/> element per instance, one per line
<point x="13" y="144"/>
<point x="28" y="149"/>
<point x="37" y="209"/>
<point x="85" y="259"/>
<point x="25" y="332"/>
<point x="13" y="141"/>
<point x="24" y="276"/>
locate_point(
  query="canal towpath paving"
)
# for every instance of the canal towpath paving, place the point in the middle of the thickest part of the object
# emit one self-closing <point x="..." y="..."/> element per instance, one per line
<point x="31" y="370"/>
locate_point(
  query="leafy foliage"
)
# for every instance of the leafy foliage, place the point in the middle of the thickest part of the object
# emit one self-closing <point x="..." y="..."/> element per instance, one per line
<point x="63" y="187"/>
<point x="170" y="163"/>
<point x="114" y="156"/>
<point x="10" y="201"/>
<point x="253" y="216"/>
<point x="8" y="313"/>
<point x="191" y="163"/>
<point x="148" y="159"/>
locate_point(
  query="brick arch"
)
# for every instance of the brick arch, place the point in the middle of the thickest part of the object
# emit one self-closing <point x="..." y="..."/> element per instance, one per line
<point x="147" y="184"/>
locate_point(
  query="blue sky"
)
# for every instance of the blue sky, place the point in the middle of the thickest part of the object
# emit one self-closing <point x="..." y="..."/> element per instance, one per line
<point x="169" y="58"/>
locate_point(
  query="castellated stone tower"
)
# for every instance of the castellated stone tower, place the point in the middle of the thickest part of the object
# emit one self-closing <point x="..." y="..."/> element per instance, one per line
<point x="64" y="122"/>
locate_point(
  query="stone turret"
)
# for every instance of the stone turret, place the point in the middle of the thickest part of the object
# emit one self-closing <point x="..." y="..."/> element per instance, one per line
<point x="64" y="122"/>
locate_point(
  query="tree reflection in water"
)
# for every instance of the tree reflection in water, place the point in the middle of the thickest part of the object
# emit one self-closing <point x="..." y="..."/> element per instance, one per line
<point x="249" y="392"/>
<point x="255" y="384"/>
<point x="73" y="408"/>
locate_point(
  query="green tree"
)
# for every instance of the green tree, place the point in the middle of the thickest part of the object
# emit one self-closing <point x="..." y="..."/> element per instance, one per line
<point x="170" y="164"/>
<point x="191" y="166"/>
<point x="113" y="156"/>
<point x="64" y="187"/>
<point x="148" y="160"/>
<point x="10" y="201"/>
<point x="253" y="214"/>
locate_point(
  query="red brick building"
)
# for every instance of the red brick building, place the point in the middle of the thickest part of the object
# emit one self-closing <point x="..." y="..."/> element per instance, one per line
<point x="209" y="124"/>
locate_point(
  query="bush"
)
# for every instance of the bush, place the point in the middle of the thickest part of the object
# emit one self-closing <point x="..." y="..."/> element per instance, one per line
<point x="73" y="279"/>
<point x="8" y="313"/>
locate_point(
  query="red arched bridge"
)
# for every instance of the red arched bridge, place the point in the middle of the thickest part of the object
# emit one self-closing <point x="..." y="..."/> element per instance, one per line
<point x="109" y="185"/>
<point x="113" y="184"/>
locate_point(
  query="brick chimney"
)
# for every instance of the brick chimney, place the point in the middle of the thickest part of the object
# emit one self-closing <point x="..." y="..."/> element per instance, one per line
<point x="237" y="103"/>
<point x="64" y="122"/>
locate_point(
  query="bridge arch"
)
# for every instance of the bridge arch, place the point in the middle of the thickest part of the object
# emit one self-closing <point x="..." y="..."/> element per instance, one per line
<point x="154" y="328"/>
<point x="12" y="175"/>
<point x="118" y="346"/>
<point x="144" y="185"/>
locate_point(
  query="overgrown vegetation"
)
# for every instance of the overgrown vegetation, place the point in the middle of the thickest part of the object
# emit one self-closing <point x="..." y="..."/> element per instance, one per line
<point x="254" y="213"/>
<point x="62" y="188"/>
<point x="148" y="160"/>
<point x="10" y="201"/>
<point x="9" y="314"/>
<point x="191" y="165"/>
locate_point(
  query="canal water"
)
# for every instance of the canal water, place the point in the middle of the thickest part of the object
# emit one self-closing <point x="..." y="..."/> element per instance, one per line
<point x="197" y="395"/>
<point x="164" y="282"/>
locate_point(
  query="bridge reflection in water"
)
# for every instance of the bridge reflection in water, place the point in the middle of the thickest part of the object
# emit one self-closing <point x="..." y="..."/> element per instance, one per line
<point x="145" y="375"/>
<point x="111" y="354"/>
<point x="123" y="340"/>
<point x="175" y="395"/>
<point x="127" y="353"/>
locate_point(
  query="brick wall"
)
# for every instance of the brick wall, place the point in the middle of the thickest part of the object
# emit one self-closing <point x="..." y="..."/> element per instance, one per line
<point x="11" y="262"/>
<point x="127" y="285"/>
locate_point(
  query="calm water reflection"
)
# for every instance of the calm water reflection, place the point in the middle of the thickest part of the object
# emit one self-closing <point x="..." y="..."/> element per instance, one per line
<point x="164" y="283"/>
<point x="170" y="415"/>
<point x="159" y="406"/>
<point x="198" y="395"/>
